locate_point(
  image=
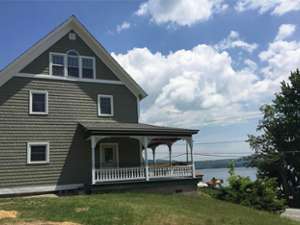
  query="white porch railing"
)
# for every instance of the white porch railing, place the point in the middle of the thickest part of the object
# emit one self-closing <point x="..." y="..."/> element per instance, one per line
<point x="137" y="173"/>
<point x="119" y="174"/>
<point x="174" y="171"/>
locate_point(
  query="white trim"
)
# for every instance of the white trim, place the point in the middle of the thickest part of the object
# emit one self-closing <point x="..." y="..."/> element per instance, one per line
<point x="38" y="189"/>
<point x="46" y="76"/>
<point x="72" y="24"/>
<point x="31" y="112"/>
<point x="111" y="105"/>
<point x="115" y="147"/>
<point x="29" y="144"/>
<point x="138" y="108"/>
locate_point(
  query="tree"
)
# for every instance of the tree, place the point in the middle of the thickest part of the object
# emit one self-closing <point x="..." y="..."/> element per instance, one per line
<point x="277" y="148"/>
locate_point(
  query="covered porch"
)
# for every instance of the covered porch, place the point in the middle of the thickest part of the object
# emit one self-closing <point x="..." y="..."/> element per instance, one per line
<point x="105" y="152"/>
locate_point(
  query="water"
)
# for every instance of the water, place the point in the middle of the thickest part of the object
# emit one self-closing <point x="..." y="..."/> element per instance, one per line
<point x="222" y="173"/>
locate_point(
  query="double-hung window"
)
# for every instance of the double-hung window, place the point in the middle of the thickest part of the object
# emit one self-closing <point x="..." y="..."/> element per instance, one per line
<point x="57" y="64"/>
<point x="88" y="70"/>
<point x="38" y="102"/>
<point x="105" y="105"/>
<point x="72" y="65"/>
<point x="37" y="152"/>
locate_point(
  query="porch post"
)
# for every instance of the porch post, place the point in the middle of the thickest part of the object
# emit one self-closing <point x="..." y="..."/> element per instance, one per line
<point x="153" y="153"/>
<point x="192" y="157"/>
<point x="93" y="146"/>
<point x="146" y="158"/>
<point x="170" y="154"/>
<point x="187" y="152"/>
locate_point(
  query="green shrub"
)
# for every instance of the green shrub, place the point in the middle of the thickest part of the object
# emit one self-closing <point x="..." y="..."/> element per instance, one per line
<point x="260" y="194"/>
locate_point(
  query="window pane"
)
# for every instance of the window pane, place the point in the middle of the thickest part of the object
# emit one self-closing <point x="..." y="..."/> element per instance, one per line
<point x="105" y="105"/>
<point x="87" y="73"/>
<point x="58" y="70"/>
<point x="108" y="155"/>
<point x="38" y="153"/>
<point x="87" y="68"/>
<point x="58" y="59"/>
<point x="73" y="61"/>
<point x="87" y="63"/>
<point x="38" y="102"/>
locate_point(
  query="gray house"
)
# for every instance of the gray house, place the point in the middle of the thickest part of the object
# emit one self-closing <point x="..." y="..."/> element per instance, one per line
<point x="69" y="118"/>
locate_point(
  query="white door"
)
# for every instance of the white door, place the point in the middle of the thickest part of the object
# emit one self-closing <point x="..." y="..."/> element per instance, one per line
<point x="109" y="155"/>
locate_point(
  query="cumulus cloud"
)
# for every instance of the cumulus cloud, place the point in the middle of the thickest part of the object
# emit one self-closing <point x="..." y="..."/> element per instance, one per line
<point x="123" y="26"/>
<point x="234" y="41"/>
<point x="187" y="89"/>
<point x="276" y="7"/>
<point x="180" y="12"/>
<point x="285" y="31"/>
<point x="198" y="86"/>
<point x="281" y="56"/>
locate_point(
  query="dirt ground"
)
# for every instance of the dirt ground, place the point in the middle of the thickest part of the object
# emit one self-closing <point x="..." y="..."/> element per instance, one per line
<point x="13" y="214"/>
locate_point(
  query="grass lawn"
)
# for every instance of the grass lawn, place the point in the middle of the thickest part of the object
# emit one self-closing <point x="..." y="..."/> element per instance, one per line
<point x="137" y="208"/>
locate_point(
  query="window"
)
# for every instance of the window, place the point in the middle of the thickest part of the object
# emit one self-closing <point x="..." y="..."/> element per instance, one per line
<point x="57" y="64"/>
<point x="109" y="155"/>
<point x="73" y="63"/>
<point x="37" y="152"/>
<point x="87" y="67"/>
<point x="38" y="102"/>
<point x="105" y="105"/>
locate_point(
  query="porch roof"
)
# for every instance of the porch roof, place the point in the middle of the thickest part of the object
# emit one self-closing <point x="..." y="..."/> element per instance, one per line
<point x="139" y="129"/>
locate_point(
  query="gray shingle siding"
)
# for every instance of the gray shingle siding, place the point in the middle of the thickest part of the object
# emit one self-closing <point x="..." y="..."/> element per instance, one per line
<point x="69" y="104"/>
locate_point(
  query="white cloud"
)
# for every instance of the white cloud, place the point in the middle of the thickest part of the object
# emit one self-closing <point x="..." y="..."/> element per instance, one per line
<point x="186" y="89"/>
<point x="285" y="31"/>
<point x="282" y="56"/>
<point x="277" y="7"/>
<point x="180" y="12"/>
<point x="234" y="41"/>
<point x="123" y="26"/>
<point x="199" y="86"/>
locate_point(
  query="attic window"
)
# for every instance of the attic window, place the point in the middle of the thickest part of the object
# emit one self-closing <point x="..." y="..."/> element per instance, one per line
<point x="72" y="36"/>
<point x="57" y="67"/>
<point x="73" y="63"/>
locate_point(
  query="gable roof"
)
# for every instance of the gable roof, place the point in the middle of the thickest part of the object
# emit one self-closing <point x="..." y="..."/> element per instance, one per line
<point x="71" y="24"/>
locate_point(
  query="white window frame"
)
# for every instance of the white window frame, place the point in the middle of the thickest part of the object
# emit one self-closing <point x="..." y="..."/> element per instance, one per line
<point x="80" y="57"/>
<point x="29" y="144"/>
<point x="111" y="105"/>
<point x="31" y="112"/>
<point x="79" y="60"/>
<point x="115" y="147"/>
<point x="52" y="64"/>
<point x="81" y="67"/>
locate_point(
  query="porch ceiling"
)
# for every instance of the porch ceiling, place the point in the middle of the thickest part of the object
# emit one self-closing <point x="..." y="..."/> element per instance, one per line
<point x="138" y="129"/>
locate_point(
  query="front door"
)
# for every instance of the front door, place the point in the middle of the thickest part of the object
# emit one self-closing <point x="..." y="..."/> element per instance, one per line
<point x="109" y="155"/>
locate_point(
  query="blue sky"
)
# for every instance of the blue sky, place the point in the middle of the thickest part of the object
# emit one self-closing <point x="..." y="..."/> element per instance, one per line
<point x="205" y="64"/>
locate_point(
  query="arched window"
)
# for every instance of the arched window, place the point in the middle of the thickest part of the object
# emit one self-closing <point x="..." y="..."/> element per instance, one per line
<point x="73" y="63"/>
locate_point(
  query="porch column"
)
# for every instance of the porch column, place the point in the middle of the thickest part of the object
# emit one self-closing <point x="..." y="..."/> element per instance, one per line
<point x="170" y="154"/>
<point x="187" y="152"/>
<point x="93" y="146"/>
<point x="146" y="158"/>
<point x="192" y="157"/>
<point x="153" y="153"/>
